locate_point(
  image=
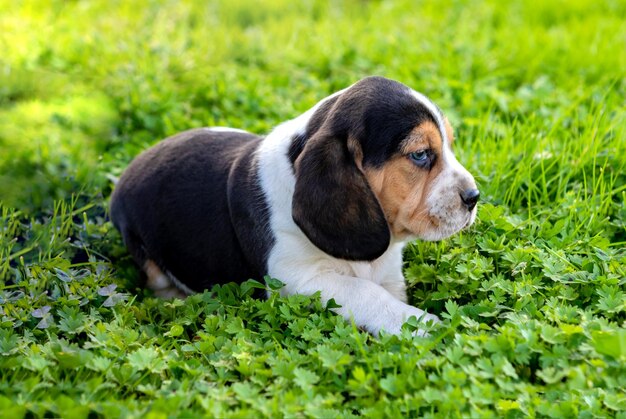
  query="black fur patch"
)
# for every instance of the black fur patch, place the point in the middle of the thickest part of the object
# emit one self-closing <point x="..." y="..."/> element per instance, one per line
<point x="377" y="112"/>
<point x="193" y="205"/>
<point x="296" y="147"/>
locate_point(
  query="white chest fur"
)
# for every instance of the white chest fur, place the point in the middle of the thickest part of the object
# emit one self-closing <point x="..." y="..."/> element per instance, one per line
<point x="371" y="293"/>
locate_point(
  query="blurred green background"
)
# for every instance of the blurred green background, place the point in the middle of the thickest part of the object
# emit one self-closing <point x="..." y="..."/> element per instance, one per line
<point x="86" y="85"/>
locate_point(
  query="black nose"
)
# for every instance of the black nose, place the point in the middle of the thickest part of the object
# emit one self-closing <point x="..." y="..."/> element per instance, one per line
<point x="470" y="197"/>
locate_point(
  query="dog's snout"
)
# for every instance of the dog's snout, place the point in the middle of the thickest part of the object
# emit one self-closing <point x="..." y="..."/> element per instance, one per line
<point x="470" y="198"/>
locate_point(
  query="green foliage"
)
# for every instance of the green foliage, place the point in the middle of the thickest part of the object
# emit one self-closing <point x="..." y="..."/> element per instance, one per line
<point x="532" y="296"/>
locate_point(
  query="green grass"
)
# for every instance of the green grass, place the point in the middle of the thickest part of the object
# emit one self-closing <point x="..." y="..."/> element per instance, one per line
<point x="532" y="296"/>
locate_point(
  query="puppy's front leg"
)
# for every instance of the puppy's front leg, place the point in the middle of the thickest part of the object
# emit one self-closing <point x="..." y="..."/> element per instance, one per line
<point x="371" y="306"/>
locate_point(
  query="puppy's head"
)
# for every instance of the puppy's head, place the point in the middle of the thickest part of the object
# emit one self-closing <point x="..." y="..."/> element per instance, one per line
<point x="375" y="160"/>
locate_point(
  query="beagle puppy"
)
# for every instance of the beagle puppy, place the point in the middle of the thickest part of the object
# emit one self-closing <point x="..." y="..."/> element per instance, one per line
<point x="325" y="202"/>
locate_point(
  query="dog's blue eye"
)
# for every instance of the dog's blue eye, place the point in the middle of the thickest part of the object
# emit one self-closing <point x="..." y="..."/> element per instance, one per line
<point x="419" y="157"/>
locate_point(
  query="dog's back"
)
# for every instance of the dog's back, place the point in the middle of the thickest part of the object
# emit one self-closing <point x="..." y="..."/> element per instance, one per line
<point x="178" y="192"/>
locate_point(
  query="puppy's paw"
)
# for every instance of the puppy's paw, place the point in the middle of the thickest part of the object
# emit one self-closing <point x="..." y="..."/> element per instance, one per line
<point x="394" y="324"/>
<point x="425" y="318"/>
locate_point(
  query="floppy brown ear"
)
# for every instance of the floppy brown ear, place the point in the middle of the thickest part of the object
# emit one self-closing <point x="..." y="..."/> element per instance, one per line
<point x="333" y="203"/>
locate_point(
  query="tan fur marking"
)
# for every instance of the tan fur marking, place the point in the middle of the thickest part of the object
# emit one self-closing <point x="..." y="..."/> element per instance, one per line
<point x="449" y="130"/>
<point x="160" y="283"/>
<point x="401" y="187"/>
<point x="157" y="280"/>
<point x="357" y="152"/>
